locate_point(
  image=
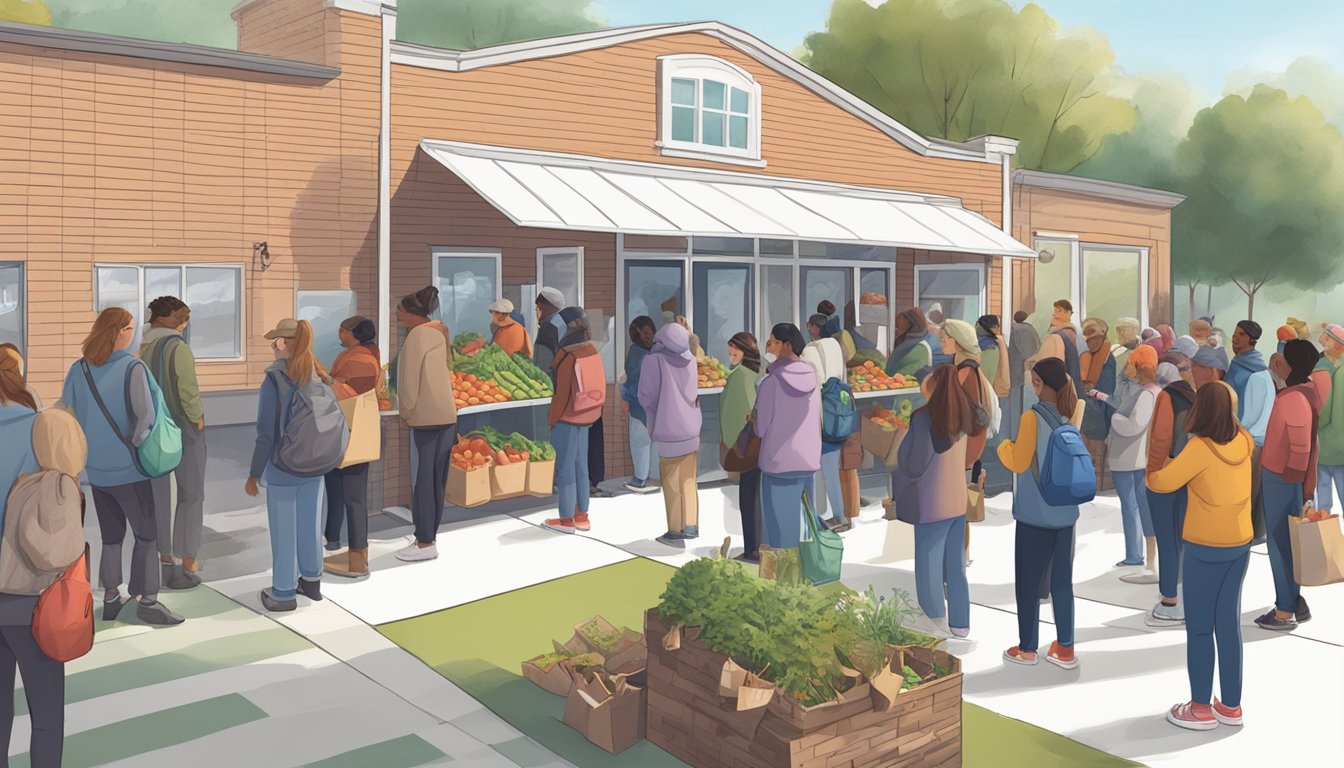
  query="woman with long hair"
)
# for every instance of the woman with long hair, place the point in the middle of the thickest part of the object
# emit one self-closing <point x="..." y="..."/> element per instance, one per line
<point x="293" y="504"/>
<point x="929" y="486"/>
<point x="355" y="371"/>
<point x="1044" y="536"/>
<point x="19" y="370"/>
<point x="1216" y="468"/>
<point x="112" y="395"/>
<point x="736" y="403"/>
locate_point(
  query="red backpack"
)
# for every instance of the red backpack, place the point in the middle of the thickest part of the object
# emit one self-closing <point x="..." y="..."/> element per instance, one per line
<point x="63" y="618"/>
<point x="589" y="391"/>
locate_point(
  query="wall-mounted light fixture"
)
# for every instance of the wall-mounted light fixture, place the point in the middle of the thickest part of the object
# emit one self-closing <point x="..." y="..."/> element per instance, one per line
<point x="262" y="252"/>
<point x="1045" y="256"/>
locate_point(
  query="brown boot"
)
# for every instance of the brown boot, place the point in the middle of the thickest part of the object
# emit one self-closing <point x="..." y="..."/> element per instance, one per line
<point x="352" y="564"/>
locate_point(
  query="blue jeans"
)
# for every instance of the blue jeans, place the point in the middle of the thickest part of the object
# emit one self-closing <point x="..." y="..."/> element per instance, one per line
<point x="1212" y="582"/>
<point x="830" y="483"/>
<point x="1325" y="475"/>
<point x="939" y="563"/>
<point x="1133" y="512"/>
<point x="641" y="449"/>
<point x="1168" y="512"/>
<point x="782" y="507"/>
<point x="571" y="467"/>
<point x="1035" y="550"/>
<point x="294" y="513"/>
<point x="1282" y="500"/>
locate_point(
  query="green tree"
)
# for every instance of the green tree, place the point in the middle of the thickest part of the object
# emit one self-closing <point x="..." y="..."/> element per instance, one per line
<point x="203" y="22"/>
<point x="467" y="24"/>
<point x="25" y="12"/>
<point x="1264" y="180"/>
<point x="956" y="69"/>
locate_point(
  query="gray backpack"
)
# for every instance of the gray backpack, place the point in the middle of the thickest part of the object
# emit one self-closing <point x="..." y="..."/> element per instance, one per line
<point x="314" y="434"/>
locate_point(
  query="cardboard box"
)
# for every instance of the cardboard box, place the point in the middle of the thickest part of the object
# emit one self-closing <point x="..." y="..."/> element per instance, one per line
<point x="468" y="489"/>
<point x="541" y="478"/>
<point x="614" y="718"/>
<point x="881" y="443"/>
<point x="626" y="654"/>
<point x="557" y="678"/>
<point x="508" y="480"/>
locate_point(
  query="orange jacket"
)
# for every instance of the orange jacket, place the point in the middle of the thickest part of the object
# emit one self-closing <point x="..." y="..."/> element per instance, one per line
<point x="360" y="369"/>
<point x="512" y="338"/>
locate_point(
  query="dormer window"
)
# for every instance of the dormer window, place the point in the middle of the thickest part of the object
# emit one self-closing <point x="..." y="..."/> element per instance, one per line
<point x="708" y="109"/>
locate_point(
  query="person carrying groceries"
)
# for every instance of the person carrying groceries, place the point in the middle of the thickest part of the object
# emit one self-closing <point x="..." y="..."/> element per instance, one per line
<point x="1166" y="439"/>
<point x="1215" y="467"/>
<point x="1045" y="532"/>
<point x="788" y="421"/>
<point x="736" y="404"/>
<point x="580" y="392"/>
<point x="930" y="481"/>
<point x="667" y="390"/>
<point x="641" y="332"/>
<point x="508" y="334"/>
<point x="113" y="396"/>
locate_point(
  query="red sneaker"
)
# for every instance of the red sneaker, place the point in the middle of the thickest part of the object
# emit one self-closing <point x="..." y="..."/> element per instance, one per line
<point x="560" y="524"/>
<point x="1192" y="717"/>
<point x="1225" y="714"/>
<point x="581" y="522"/>
<point x="1061" y="656"/>
<point x="1016" y="655"/>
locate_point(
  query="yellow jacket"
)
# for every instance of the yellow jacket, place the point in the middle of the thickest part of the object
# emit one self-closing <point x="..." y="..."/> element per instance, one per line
<point x="1219" y="481"/>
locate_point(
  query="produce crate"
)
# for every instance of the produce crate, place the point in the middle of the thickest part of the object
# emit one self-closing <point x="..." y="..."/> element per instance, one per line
<point x="468" y="489"/>
<point x="540" y="478"/>
<point x="881" y="443"/>
<point x="508" y="480"/>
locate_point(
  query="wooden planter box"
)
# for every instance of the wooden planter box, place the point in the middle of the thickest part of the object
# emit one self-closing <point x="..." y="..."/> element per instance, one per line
<point x="688" y="719"/>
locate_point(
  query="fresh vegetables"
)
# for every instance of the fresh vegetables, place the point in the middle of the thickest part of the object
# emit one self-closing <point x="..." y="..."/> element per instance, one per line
<point x="515" y="376"/>
<point x="468" y="343"/>
<point x="471" y="454"/>
<point x="869" y="377"/>
<point x="469" y="389"/>
<point x="1317" y="515"/>
<point x="534" y="450"/>
<point x="710" y="373"/>
<point x="891" y="420"/>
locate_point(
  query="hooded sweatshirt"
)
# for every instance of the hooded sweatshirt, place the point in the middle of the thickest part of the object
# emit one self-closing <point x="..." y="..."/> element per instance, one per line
<point x="424" y="379"/>
<point x="1219" y="480"/>
<point x="1162" y="434"/>
<point x="1022" y="456"/>
<point x="1127" y="443"/>
<point x="1254" y="384"/>
<point x="44" y="532"/>
<point x="1290" y="449"/>
<point x="16" y="450"/>
<point x="667" y="390"/>
<point x="788" y="418"/>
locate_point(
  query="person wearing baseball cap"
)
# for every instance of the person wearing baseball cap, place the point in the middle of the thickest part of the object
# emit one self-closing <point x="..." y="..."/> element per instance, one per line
<point x="1330" y="384"/>
<point x="549" y="328"/>
<point x="1249" y="376"/>
<point x="508" y="334"/>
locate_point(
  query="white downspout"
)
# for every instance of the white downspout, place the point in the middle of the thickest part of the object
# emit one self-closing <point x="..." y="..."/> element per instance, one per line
<point x="389" y="24"/>
<point x="1006" y="320"/>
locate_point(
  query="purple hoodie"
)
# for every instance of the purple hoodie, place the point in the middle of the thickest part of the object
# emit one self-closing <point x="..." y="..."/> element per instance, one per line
<point x="668" y="393"/>
<point x="788" y="418"/>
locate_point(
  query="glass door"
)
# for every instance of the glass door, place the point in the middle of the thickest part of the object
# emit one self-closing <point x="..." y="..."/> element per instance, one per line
<point x="656" y="288"/>
<point x="818" y="284"/>
<point x="1114" y="284"/>
<point x="723" y="304"/>
<point x="950" y="291"/>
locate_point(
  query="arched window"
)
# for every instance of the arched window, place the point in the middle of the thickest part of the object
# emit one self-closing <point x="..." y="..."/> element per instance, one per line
<point x="708" y="108"/>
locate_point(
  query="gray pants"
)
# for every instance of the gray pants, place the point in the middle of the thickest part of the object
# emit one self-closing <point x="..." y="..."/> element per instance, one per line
<point x="180" y="533"/>
<point x="431" y="450"/>
<point x="119" y="506"/>
<point x="43" y="686"/>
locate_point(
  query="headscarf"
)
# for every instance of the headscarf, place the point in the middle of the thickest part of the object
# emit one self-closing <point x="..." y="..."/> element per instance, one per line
<point x="1211" y="357"/>
<point x="984" y="328"/>
<point x="1168" y="336"/>
<point x="58" y="442"/>
<point x="917" y="330"/>
<point x="424" y="302"/>
<point x="962" y="333"/>
<point x="1302" y="357"/>
<point x="576" y="326"/>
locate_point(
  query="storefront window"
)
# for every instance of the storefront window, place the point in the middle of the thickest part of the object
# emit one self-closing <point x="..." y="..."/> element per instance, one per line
<point x="468" y="283"/>
<point x="723" y="304"/>
<point x="325" y="310"/>
<point x="1112" y="284"/>
<point x="1053" y="281"/>
<point x="13" y="309"/>
<point x="777" y="247"/>
<point x="951" y="291"/>
<point x="561" y="269"/>
<point x="651" y="285"/>
<point x="818" y="284"/>
<point x="214" y="294"/>
<point x="723" y="246"/>
<point x="874" y="311"/>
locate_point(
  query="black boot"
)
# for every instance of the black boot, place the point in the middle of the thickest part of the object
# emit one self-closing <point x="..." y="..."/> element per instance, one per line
<point x="310" y="589"/>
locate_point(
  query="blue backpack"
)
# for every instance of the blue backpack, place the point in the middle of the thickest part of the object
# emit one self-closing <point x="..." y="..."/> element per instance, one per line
<point x="1065" y="475"/>
<point x="839" y="417"/>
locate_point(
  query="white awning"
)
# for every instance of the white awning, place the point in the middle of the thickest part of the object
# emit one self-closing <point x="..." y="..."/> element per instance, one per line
<point x="556" y="191"/>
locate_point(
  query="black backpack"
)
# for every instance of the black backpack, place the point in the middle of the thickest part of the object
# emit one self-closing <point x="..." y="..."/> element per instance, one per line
<point x="1182" y="402"/>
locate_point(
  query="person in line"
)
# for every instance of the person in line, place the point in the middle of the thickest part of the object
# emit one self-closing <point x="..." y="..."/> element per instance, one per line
<point x="549" y="328"/>
<point x="293" y="504"/>
<point x="736" y="405"/>
<point x="641" y="332"/>
<point x="1299" y="327"/>
<point x="356" y="370"/>
<point x="667" y="390"/>
<point x="43" y="536"/>
<point x="959" y="340"/>
<point x="788" y="421"/>
<point x="425" y="399"/>
<point x="1201" y="330"/>
<point x="1023" y="344"/>
<point x="1330" y="385"/>
<point x="1061" y="343"/>
<point x="1285" y="334"/>
<point x="993" y="353"/>
<point x="930" y="477"/>
<point x="1209" y="365"/>
<point x="827" y="359"/>
<point x="580" y="392"/>
<point x="1045" y="534"/>
<point x="1216" y="468"/>
<point x="851" y="341"/>
<point x="508" y="334"/>
<point x="826" y="309"/>
<point x="910" y="350"/>
<point x="1166" y="336"/>
<point x="1182" y="355"/>
<point x="122" y="495"/>
<point x="1127" y="454"/>
<point x="7" y="347"/>
<point x="1166" y="439"/>
<point x="936" y="318"/>
<point x="173" y="366"/>
<point x="1127" y="331"/>
<point x="1289" y="475"/>
<point x="1249" y="376"/>
<point x="1099" y="369"/>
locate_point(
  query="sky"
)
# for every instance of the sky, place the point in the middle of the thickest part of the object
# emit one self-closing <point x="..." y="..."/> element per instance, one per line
<point x="1203" y="40"/>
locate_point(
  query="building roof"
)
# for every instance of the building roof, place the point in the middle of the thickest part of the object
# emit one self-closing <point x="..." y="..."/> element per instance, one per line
<point x="183" y="53"/>
<point x="982" y="149"/>
<point x="1108" y="190"/>
<point x="576" y="192"/>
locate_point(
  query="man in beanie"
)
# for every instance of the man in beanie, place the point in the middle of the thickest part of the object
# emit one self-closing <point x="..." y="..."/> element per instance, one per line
<point x="1249" y="377"/>
<point x="1208" y="365"/>
<point x="1061" y="344"/>
<point x="549" y="328"/>
<point x="1127" y="455"/>
<point x="1099" y="373"/>
<point x="1330" y="385"/>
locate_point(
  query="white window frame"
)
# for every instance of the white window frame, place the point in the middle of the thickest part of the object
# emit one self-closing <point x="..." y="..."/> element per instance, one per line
<point x="700" y="68"/>
<point x="22" y="266"/>
<point x="442" y="251"/>
<point x="978" y="268"/>
<point x="182" y="267"/>
<point x="542" y="253"/>
<point x="1081" y="262"/>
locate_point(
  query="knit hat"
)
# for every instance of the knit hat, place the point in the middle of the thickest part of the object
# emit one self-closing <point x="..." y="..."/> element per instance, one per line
<point x="962" y="333"/>
<point x="1186" y="345"/>
<point x="1302" y="357"/>
<point x="1052" y="372"/>
<point x="1167" y="374"/>
<point x="1144" y="357"/>
<point x="364" y="331"/>
<point x="1093" y="326"/>
<point x="1251" y="329"/>
<point x="1128" y="323"/>
<point x="1333" y="331"/>
<point x="1211" y="357"/>
<point x="1286" y="333"/>
<point x="1300" y="326"/>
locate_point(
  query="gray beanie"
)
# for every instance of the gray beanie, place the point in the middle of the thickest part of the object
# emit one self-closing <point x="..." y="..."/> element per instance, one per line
<point x="1167" y="374"/>
<point x="1187" y="346"/>
<point x="1212" y="357"/>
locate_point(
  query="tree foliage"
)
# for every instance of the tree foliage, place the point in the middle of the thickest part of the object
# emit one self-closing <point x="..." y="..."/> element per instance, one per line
<point x="25" y="12"/>
<point x="956" y="69"/>
<point x="467" y="24"/>
<point x="203" y="22"/>
<point x="1264" y="180"/>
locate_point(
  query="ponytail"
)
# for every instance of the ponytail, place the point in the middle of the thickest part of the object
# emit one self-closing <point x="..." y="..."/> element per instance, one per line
<point x="301" y="362"/>
<point x="12" y="389"/>
<point x="1066" y="400"/>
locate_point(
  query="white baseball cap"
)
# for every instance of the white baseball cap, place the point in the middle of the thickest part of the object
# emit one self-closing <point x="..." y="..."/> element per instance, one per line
<point x="502" y="306"/>
<point x="553" y="296"/>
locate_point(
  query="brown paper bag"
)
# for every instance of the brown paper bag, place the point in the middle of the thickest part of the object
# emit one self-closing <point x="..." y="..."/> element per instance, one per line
<point x="366" y="429"/>
<point x="672" y="640"/>
<point x="731" y="678"/>
<point x="1318" y="551"/>
<point x="754" y="693"/>
<point x="468" y="488"/>
<point x="975" y="504"/>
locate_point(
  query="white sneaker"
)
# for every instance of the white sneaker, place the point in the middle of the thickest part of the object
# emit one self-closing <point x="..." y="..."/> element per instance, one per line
<point x="1141" y="577"/>
<point x="1165" y="616"/>
<point x="417" y="554"/>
